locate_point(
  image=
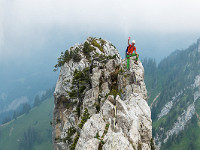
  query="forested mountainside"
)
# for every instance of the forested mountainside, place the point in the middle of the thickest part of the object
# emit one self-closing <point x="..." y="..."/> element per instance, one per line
<point x="30" y="131"/>
<point x="174" y="96"/>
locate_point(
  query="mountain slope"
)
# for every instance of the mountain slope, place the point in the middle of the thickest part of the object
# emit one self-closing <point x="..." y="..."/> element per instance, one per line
<point x="29" y="131"/>
<point x="20" y="83"/>
<point x="175" y="96"/>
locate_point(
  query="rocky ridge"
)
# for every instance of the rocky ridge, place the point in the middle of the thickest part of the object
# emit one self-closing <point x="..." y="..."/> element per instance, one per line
<point x="99" y="104"/>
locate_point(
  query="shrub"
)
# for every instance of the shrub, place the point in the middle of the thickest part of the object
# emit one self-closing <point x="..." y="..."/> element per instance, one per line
<point x="57" y="139"/>
<point x="94" y="42"/>
<point x="97" y="106"/>
<point x="97" y="135"/>
<point x="78" y="110"/>
<point x="84" y="118"/>
<point x="102" y="137"/>
<point x="114" y="76"/>
<point x="73" y="146"/>
<point x="67" y="56"/>
<point x="81" y="79"/>
<point x="70" y="132"/>
<point x="80" y="82"/>
<point x="102" y="42"/>
<point x="104" y="59"/>
<point x="87" y="49"/>
<point x="152" y="145"/>
<point x="58" y="120"/>
<point x="73" y="94"/>
<point x="106" y="128"/>
<point x="112" y="57"/>
<point x="121" y="71"/>
<point x="139" y="146"/>
<point x="114" y="92"/>
<point x="70" y="104"/>
<point x="75" y="55"/>
<point x="82" y="88"/>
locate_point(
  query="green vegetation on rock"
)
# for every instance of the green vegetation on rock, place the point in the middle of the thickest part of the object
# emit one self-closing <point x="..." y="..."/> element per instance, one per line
<point x="80" y="83"/>
<point x="100" y="47"/>
<point x="114" y="84"/>
<point x="67" y="56"/>
<point x="70" y="132"/>
<point x="84" y="118"/>
<point x="73" y="146"/>
<point x="87" y="49"/>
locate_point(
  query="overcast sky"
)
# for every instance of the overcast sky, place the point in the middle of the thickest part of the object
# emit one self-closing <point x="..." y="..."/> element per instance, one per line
<point x="30" y="25"/>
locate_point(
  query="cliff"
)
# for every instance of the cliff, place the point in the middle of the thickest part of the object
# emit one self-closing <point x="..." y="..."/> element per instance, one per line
<point x="99" y="104"/>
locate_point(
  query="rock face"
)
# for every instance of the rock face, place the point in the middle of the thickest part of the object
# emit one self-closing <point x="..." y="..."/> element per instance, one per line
<point x="99" y="104"/>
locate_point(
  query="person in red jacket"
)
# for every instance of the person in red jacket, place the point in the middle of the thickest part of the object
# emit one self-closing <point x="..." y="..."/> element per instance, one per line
<point x="129" y="53"/>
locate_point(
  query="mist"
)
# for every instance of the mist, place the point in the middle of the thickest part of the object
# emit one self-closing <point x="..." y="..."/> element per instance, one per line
<point x="32" y="29"/>
<point x="33" y="34"/>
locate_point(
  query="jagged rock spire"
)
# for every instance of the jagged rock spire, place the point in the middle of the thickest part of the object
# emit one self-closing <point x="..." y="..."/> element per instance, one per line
<point x="113" y="113"/>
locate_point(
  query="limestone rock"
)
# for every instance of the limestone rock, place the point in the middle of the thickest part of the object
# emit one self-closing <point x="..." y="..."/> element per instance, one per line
<point x="107" y="112"/>
<point x="116" y="141"/>
<point x="93" y="126"/>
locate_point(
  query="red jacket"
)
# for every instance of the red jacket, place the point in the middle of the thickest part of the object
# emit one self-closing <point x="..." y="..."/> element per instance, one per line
<point x="131" y="49"/>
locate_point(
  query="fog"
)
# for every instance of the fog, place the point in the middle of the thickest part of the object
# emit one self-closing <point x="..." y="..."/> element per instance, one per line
<point x="32" y="28"/>
<point x="33" y="33"/>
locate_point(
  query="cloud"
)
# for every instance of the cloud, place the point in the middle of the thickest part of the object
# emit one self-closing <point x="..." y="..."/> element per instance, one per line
<point x="15" y="104"/>
<point x="1" y="35"/>
<point x="1" y="27"/>
<point x="27" y="25"/>
<point x="3" y="96"/>
<point x="165" y="16"/>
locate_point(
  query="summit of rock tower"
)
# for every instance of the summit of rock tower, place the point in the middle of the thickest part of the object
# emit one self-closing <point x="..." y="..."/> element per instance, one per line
<point x="99" y="104"/>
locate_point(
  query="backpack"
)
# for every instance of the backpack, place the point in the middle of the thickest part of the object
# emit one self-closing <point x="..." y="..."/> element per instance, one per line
<point x="126" y="51"/>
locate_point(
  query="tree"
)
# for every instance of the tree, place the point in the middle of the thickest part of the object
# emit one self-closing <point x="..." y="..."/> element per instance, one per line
<point x="26" y="108"/>
<point x="81" y="81"/>
<point x="6" y="119"/>
<point x="30" y="137"/>
<point x="15" y="115"/>
<point x="37" y="101"/>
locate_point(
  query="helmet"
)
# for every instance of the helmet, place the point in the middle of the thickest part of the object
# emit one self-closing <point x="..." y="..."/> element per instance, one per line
<point x="133" y="41"/>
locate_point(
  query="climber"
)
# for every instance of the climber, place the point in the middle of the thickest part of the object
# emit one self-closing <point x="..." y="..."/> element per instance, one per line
<point x="129" y="52"/>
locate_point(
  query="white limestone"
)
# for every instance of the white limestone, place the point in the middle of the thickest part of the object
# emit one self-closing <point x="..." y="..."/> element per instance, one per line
<point x="123" y="122"/>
